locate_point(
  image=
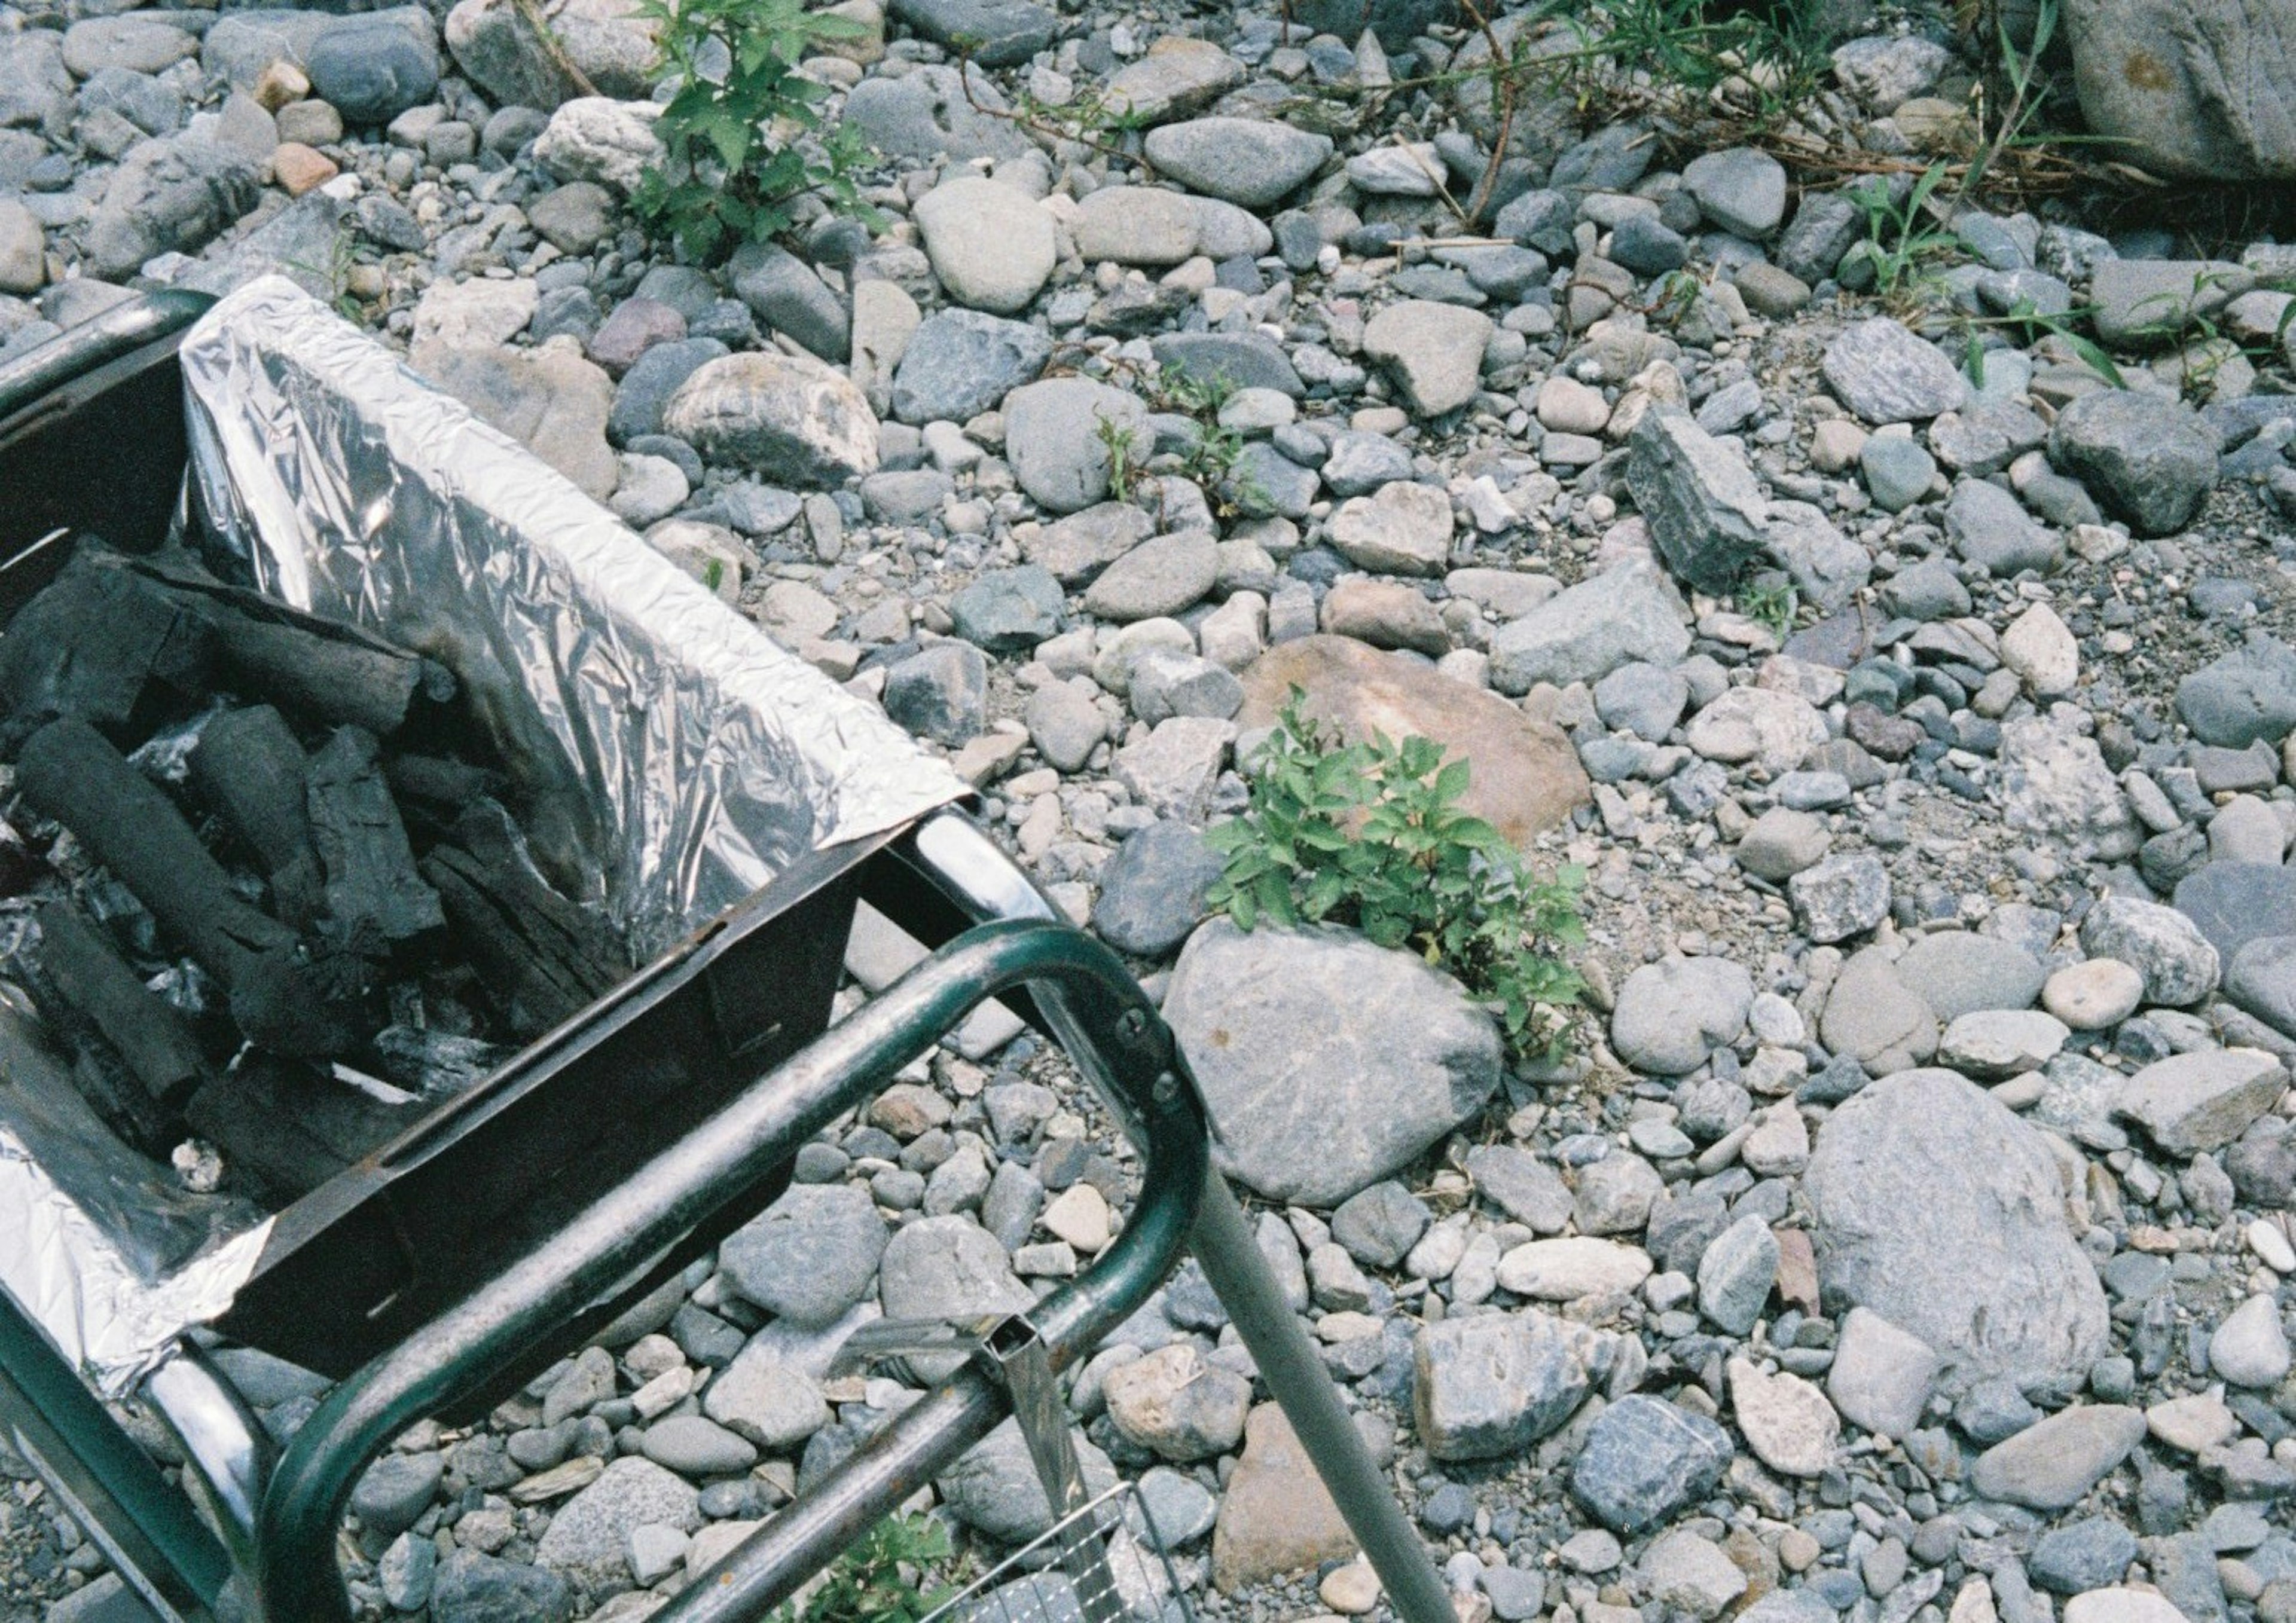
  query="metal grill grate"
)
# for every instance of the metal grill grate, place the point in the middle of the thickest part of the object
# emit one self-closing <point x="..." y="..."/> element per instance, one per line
<point x="1103" y="1562"/>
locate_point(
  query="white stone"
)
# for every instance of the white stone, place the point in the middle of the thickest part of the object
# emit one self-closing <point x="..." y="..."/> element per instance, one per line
<point x="1079" y="1215"/>
<point x="1787" y="1421"/>
<point x="2040" y="648"/>
<point x="990" y="244"/>
<point x="1565" y="1270"/>
<point x="2094" y="995"/>
<point x="2270" y="1244"/>
<point x="598" y="138"/>
<point x="2249" y="1349"/>
<point x="474" y="314"/>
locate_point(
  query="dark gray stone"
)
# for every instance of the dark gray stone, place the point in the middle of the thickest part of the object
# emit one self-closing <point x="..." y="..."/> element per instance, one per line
<point x="1645" y="247"/>
<point x="1008" y="610"/>
<point x="1991" y="528"/>
<point x="2235" y="903"/>
<point x="1379" y="1227"/>
<point x="2088" y="1554"/>
<point x="809" y="1256"/>
<point x="395" y="1491"/>
<point x="941" y="693"/>
<point x="1243" y="360"/>
<point x="2151" y="460"/>
<point x="373" y="69"/>
<point x="960" y="362"/>
<point x="787" y="296"/>
<point x="995" y="33"/>
<point x="1491" y="1384"/>
<point x="2245" y="695"/>
<point x="1398" y="1054"/>
<point x="2261" y="979"/>
<point x="474" y="1588"/>
<point x="173" y="195"/>
<point x="1704" y="507"/>
<point x="1644" y="1460"/>
<point x="1153" y="890"/>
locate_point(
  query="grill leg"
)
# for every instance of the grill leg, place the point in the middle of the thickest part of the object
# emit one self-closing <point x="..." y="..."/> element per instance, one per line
<point x="983" y="881"/>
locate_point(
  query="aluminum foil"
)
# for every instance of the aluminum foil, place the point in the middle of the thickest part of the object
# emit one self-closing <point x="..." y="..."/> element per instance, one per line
<point x="669" y="757"/>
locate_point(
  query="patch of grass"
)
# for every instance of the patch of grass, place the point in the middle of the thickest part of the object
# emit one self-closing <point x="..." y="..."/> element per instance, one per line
<point x="1371" y="835"/>
<point x="879" y="1579"/>
<point x="1902" y="240"/>
<point x="1214" y="458"/>
<point x="1771" y="602"/>
<point x="744" y="131"/>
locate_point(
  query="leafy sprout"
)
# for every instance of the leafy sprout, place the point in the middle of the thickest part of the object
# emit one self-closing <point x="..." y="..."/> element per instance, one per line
<point x="743" y="132"/>
<point x="1372" y="835"/>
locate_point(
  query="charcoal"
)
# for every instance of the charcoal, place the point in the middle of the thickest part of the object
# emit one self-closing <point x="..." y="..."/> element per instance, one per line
<point x="250" y="769"/>
<point x="151" y="1039"/>
<point x="437" y="1065"/>
<point x="542" y="958"/>
<point x="281" y="995"/>
<point x="372" y="882"/>
<point x="289" y="1128"/>
<point x="71" y="773"/>
<point x="103" y="646"/>
<point x="319" y="669"/>
<point x="440" y="783"/>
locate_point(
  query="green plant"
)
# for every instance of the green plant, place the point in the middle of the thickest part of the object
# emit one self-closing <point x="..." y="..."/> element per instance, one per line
<point x="335" y="275"/>
<point x="1770" y="602"/>
<point x="743" y="135"/>
<point x="1121" y="444"/>
<point x="879" y="1579"/>
<point x="1899" y="237"/>
<point x="2030" y="322"/>
<point x="1214" y="457"/>
<point x="1371" y="834"/>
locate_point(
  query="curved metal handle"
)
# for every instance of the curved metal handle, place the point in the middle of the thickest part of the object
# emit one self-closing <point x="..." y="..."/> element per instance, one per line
<point x="297" y="1578"/>
<point x="106" y="336"/>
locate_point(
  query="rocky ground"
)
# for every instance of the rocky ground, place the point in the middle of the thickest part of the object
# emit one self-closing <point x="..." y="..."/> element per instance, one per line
<point x="1905" y="1237"/>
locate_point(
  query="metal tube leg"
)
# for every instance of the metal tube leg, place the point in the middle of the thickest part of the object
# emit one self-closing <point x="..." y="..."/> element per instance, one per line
<point x="1295" y="1373"/>
<point x="984" y="882"/>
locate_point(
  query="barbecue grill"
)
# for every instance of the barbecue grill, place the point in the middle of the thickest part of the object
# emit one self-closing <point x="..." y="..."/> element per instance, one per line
<point x="734" y="809"/>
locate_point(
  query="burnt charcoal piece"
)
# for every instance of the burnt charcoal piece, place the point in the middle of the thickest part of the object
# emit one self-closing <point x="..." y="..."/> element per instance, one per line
<point x="152" y="1040"/>
<point x="280" y="995"/>
<point x="20" y="870"/>
<point x="69" y="772"/>
<point x="249" y="767"/>
<point x="314" y="1002"/>
<point x="440" y="783"/>
<point x="106" y="647"/>
<point x="541" y="959"/>
<point x="320" y="669"/>
<point x="372" y="884"/>
<point x="289" y="1128"/>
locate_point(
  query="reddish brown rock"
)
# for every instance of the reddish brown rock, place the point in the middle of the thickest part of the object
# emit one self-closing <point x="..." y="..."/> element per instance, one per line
<point x="1277" y="1517"/>
<point x="1526" y="777"/>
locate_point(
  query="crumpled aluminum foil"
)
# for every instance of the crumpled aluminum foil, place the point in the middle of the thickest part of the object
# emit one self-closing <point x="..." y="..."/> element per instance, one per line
<point x="672" y="758"/>
<point x="669" y="757"/>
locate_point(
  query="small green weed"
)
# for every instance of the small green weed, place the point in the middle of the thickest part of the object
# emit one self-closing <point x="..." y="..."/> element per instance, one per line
<point x="1371" y="835"/>
<point x="743" y="134"/>
<point x="1122" y="446"/>
<point x="1900" y="240"/>
<point x="878" y="1579"/>
<point x="1771" y="602"/>
<point x="2030" y="323"/>
<point x="335" y="274"/>
<point x="1214" y="459"/>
